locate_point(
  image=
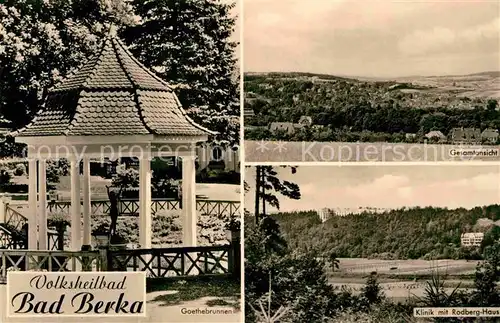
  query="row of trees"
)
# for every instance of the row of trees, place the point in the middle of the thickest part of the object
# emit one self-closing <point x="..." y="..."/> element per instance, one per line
<point x="429" y="233"/>
<point x="324" y="134"/>
<point x="356" y="107"/>
<point x="188" y="43"/>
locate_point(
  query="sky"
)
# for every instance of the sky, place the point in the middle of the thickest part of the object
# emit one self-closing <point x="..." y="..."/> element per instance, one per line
<point x="386" y="186"/>
<point x="372" y="38"/>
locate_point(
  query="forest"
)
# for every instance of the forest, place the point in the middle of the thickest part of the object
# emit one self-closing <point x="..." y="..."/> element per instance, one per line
<point x="292" y="284"/>
<point x="426" y="233"/>
<point x="349" y="110"/>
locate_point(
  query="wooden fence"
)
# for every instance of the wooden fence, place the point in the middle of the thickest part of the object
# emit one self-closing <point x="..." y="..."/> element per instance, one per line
<point x="221" y="260"/>
<point x="175" y="262"/>
<point x="40" y="260"/>
<point x="131" y="207"/>
<point x="15" y="221"/>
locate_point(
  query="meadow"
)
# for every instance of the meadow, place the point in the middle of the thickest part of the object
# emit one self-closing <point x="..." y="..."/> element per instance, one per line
<point x="401" y="280"/>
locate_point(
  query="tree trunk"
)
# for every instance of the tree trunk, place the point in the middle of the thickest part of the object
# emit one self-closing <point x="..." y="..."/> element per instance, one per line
<point x="257" y="193"/>
<point x="263" y="181"/>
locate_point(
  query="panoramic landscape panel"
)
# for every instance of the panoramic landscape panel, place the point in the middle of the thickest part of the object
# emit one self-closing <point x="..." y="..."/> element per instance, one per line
<point x="398" y="89"/>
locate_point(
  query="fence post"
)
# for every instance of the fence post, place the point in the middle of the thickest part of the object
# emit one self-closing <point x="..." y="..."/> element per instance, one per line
<point x="3" y="209"/>
<point x="60" y="236"/>
<point x="234" y="259"/>
<point x="103" y="259"/>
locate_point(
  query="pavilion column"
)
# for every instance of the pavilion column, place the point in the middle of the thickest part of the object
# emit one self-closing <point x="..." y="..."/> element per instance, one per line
<point x="86" y="241"/>
<point x="42" y="205"/>
<point x="32" y="202"/>
<point x="76" y="230"/>
<point x="189" y="214"/>
<point x="145" y="203"/>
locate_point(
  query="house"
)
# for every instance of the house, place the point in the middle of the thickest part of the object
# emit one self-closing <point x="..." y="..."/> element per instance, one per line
<point x="471" y="239"/>
<point x="325" y="214"/>
<point x="465" y="136"/>
<point x="410" y="136"/>
<point x="286" y="127"/>
<point x="436" y="135"/>
<point x="305" y="121"/>
<point x="489" y="135"/>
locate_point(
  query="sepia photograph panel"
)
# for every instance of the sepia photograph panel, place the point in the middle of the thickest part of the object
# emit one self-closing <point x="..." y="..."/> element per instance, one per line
<point x="120" y="181"/>
<point x="377" y="80"/>
<point x="370" y="243"/>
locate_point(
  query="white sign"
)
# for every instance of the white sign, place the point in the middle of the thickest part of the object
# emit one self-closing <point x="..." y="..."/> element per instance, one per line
<point x="66" y="294"/>
<point x="456" y="312"/>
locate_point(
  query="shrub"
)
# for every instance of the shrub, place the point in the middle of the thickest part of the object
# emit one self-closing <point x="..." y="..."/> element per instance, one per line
<point x="20" y="170"/>
<point x="5" y="176"/>
<point x="211" y="230"/>
<point x="58" y="219"/>
<point x="372" y="292"/>
<point x="298" y="280"/>
<point x="126" y="178"/>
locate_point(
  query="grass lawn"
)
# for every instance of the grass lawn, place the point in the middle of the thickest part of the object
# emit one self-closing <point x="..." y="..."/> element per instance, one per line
<point x="216" y="291"/>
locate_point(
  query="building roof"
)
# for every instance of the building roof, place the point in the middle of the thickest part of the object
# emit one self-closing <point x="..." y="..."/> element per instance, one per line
<point x="491" y="133"/>
<point x="307" y="120"/>
<point x="281" y="125"/>
<point x="472" y="235"/>
<point x="112" y="94"/>
<point x="435" y="133"/>
<point x="465" y="133"/>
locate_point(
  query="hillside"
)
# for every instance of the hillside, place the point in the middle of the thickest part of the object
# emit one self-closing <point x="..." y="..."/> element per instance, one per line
<point x="348" y="109"/>
<point x="428" y="233"/>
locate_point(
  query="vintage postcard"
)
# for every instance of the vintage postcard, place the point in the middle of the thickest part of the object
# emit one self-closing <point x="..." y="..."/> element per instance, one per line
<point x="120" y="182"/>
<point x="371" y="81"/>
<point x="384" y="243"/>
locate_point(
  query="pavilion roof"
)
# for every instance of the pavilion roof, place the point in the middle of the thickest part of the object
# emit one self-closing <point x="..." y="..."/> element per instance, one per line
<point x="112" y="94"/>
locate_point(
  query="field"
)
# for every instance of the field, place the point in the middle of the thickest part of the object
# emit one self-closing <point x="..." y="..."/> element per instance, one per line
<point x="274" y="151"/>
<point x="401" y="279"/>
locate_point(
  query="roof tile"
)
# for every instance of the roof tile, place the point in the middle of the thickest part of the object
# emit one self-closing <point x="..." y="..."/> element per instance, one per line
<point x="112" y="94"/>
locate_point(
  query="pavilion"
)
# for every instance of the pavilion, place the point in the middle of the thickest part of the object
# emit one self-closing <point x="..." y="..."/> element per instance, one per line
<point x="111" y="107"/>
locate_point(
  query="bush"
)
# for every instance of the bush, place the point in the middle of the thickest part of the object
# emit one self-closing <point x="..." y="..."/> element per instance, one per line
<point x="211" y="230"/>
<point x="14" y="188"/>
<point x="219" y="176"/>
<point x="20" y="170"/>
<point x="126" y="178"/>
<point x="298" y="280"/>
<point x="5" y="176"/>
<point x="58" y="219"/>
<point x="372" y="292"/>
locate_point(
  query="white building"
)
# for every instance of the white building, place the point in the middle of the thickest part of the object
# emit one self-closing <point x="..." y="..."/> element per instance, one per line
<point x="471" y="239"/>
<point x="327" y="213"/>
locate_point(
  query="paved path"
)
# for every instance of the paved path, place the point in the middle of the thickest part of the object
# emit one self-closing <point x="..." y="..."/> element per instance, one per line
<point x="155" y="310"/>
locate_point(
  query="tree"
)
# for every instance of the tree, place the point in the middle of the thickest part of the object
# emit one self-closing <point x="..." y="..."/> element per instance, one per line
<point x="372" y="291"/>
<point x="298" y="282"/>
<point x="492" y="104"/>
<point x="5" y="176"/>
<point x="41" y="41"/>
<point x="333" y="261"/>
<point x="266" y="181"/>
<point x="187" y="42"/>
<point x="487" y="277"/>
